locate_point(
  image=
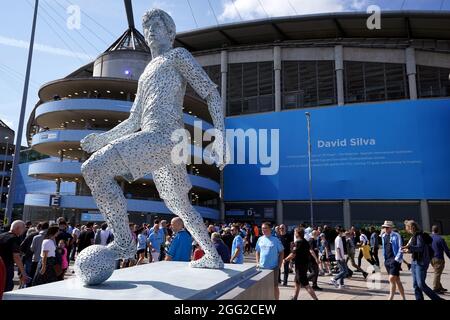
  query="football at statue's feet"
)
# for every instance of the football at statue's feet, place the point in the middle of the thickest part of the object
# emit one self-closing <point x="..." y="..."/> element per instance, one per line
<point x="95" y="264"/>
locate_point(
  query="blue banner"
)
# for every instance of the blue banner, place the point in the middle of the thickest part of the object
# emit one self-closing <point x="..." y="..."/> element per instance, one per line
<point x="391" y="150"/>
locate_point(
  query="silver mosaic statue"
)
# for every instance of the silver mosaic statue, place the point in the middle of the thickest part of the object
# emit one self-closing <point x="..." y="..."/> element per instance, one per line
<point x="124" y="151"/>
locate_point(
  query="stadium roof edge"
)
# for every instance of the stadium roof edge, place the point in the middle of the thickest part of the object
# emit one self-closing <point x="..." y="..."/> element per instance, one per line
<point x="394" y="24"/>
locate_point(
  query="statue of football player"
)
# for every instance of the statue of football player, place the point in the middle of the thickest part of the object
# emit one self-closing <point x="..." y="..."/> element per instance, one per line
<point x="124" y="151"/>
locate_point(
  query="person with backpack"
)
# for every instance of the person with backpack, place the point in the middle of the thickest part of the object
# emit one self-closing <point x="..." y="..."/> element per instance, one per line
<point x="420" y="246"/>
<point x="364" y="249"/>
<point x="103" y="236"/>
<point x="349" y="243"/>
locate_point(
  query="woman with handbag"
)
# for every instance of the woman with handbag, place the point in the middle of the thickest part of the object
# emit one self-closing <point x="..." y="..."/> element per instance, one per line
<point x="364" y="249"/>
<point x="46" y="270"/>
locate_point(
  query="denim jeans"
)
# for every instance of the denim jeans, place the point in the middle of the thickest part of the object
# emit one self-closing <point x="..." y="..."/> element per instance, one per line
<point x="27" y="264"/>
<point x="419" y="273"/>
<point x="342" y="271"/>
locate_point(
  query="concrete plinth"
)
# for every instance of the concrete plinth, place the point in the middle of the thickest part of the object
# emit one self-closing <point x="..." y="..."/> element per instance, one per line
<point x="161" y="281"/>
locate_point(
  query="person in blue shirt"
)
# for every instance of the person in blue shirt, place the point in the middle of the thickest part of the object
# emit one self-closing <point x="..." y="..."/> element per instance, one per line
<point x="180" y="247"/>
<point x="393" y="257"/>
<point x="141" y="245"/>
<point x="161" y="228"/>
<point x="155" y="239"/>
<point x="237" y="248"/>
<point x="270" y="254"/>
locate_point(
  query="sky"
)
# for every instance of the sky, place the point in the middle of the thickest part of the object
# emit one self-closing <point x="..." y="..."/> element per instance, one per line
<point x="62" y="47"/>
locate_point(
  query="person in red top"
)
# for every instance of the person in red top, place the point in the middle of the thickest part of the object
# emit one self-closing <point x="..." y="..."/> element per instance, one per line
<point x="2" y="278"/>
<point x="256" y="231"/>
<point x="198" y="252"/>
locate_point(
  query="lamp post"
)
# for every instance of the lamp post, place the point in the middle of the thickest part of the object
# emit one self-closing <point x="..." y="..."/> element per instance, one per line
<point x="12" y="181"/>
<point x="308" y="124"/>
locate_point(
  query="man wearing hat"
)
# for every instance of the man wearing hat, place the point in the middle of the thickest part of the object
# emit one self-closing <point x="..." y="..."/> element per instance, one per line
<point x="393" y="257"/>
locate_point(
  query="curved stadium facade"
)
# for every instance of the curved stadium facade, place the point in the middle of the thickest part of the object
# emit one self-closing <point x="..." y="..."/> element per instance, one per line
<point x="379" y="102"/>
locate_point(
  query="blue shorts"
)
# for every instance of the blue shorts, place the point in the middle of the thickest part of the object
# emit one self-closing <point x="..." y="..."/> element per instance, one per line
<point x="392" y="267"/>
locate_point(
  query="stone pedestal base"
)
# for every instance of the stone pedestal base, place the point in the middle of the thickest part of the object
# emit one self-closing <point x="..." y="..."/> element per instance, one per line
<point x="161" y="281"/>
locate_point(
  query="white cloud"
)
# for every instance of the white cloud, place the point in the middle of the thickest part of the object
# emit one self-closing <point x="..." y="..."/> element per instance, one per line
<point x="360" y="5"/>
<point x="162" y="4"/>
<point x="254" y="9"/>
<point x="43" y="48"/>
<point x="7" y="121"/>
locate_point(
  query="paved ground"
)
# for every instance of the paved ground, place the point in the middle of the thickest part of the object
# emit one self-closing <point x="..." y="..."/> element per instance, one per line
<point x="356" y="288"/>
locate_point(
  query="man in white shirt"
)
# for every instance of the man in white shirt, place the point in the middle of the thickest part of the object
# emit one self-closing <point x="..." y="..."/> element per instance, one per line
<point x="338" y="280"/>
<point x="103" y="236"/>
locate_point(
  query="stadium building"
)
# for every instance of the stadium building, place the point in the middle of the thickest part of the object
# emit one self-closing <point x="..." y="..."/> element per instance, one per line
<point x="6" y="157"/>
<point x="379" y="102"/>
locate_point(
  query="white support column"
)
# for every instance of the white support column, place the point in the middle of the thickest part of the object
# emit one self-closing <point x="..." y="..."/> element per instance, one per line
<point x="280" y="218"/>
<point x="425" y="215"/>
<point x="224" y="74"/>
<point x="410" y="55"/>
<point x="277" y="71"/>
<point x="339" y="67"/>
<point x="347" y="214"/>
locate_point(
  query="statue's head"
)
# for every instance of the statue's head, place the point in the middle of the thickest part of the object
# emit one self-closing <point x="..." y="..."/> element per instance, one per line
<point x="158" y="27"/>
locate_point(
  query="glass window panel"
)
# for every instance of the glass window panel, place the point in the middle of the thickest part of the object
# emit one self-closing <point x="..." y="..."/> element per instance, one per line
<point x="290" y="76"/>
<point x="215" y="75"/>
<point x="234" y="81"/>
<point x="445" y="82"/>
<point x="428" y="78"/>
<point x="265" y="77"/>
<point x="326" y="80"/>
<point x="250" y="79"/>
<point x="308" y="83"/>
<point x="266" y="103"/>
<point x="354" y="81"/>
<point x="364" y="214"/>
<point x="250" y="105"/>
<point x="234" y="107"/>
<point x="396" y="85"/>
<point x="374" y="81"/>
<point x="290" y="101"/>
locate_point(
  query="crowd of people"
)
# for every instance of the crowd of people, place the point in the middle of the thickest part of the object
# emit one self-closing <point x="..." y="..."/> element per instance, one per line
<point x="43" y="252"/>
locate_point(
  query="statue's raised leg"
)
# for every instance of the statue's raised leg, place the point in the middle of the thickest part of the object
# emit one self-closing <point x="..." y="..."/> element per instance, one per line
<point x="96" y="263"/>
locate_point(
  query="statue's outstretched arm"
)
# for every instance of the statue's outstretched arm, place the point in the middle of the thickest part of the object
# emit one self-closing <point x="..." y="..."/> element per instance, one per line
<point x="94" y="141"/>
<point x="220" y="152"/>
<point x="214" y="102"/>
<point x="206" y="89"/>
